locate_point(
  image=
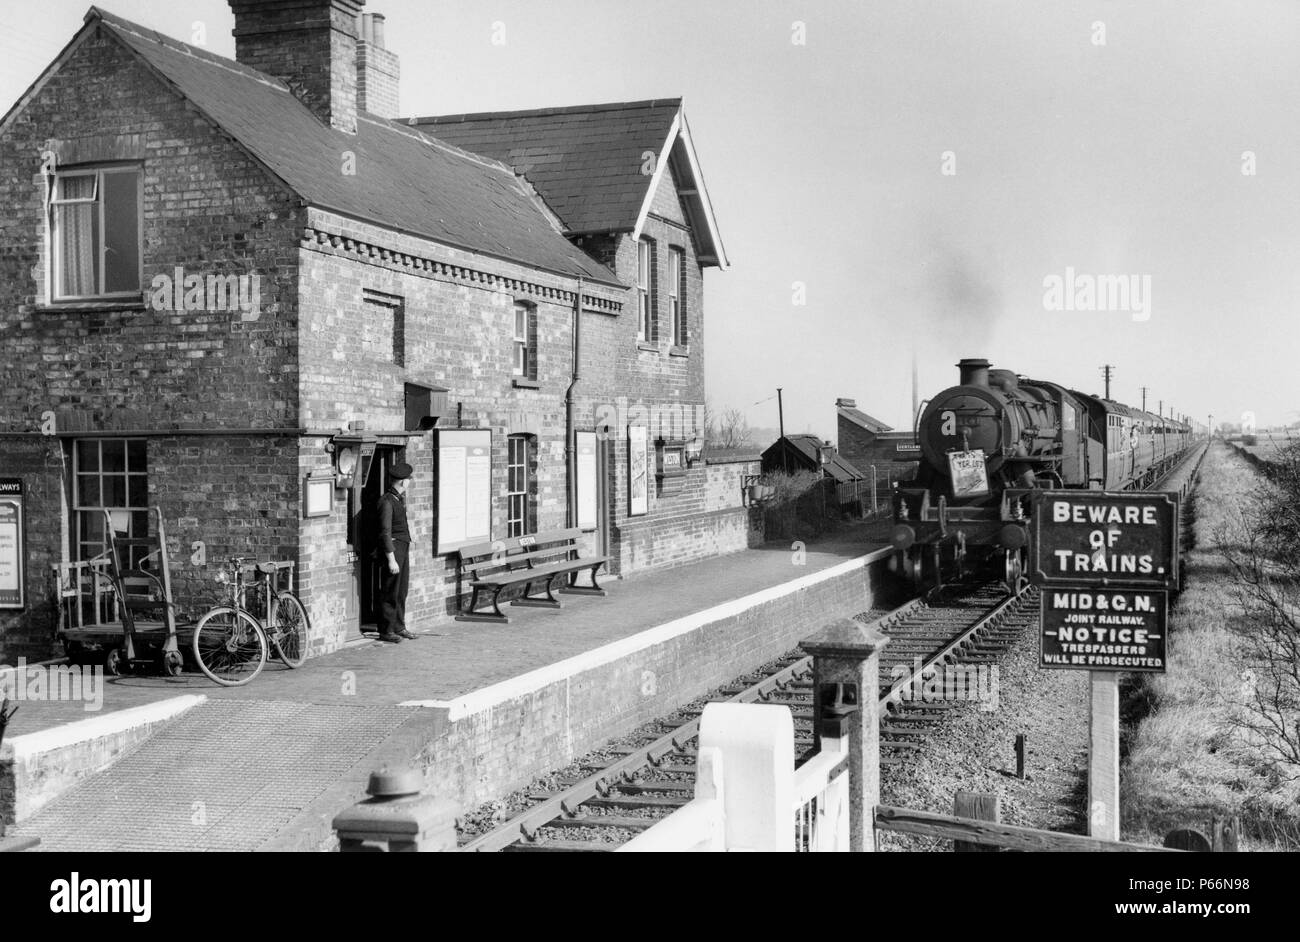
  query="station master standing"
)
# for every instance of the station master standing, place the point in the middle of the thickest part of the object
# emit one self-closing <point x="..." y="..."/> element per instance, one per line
<point x="395" y="544"/>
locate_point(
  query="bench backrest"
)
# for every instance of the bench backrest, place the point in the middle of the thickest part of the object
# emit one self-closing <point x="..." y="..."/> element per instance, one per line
<point x="482" y="559"/>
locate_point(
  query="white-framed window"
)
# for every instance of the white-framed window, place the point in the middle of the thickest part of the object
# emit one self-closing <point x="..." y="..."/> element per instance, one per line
<point x="677" y="294"/>
<point x="109" y="474"/>
<point x="95" y="233"/>
<point x="645" y="289"/>
<point x="525" y="340"/>
<point x="518" y="486"/>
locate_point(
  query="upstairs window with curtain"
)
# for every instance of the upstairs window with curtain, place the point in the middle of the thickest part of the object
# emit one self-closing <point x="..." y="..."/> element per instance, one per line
<point x="95" y="233"/>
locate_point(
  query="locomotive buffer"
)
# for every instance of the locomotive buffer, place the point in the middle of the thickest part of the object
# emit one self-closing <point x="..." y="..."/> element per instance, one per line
<point x="1105" y="563"/>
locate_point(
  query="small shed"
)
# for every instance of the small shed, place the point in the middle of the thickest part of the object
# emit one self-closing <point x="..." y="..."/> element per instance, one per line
<point x="809" y="453"/>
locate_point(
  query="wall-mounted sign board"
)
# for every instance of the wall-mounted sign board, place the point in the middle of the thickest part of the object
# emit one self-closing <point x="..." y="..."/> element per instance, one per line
<point x="638" y="471"/>
<point x="464" y="485"/>
<point x="13" y="544"/>
<point x="318" y="496"/>
<point x="587" y="516"/>
<point x="1103" y="538"/>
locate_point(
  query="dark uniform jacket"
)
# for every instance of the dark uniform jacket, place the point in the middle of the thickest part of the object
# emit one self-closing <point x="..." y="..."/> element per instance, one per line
<point x="392" y="521"/>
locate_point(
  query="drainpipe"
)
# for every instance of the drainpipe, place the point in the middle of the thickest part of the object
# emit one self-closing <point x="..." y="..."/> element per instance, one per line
<point x="571" y="433"/>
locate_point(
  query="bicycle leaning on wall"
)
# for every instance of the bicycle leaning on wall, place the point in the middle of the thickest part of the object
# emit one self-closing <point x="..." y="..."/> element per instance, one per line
<point x="231" y="642"/>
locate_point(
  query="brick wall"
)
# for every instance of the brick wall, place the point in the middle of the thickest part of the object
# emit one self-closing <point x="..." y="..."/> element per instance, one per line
<point x="208" y="209"/>
<point x="652" y="384"/>
<point x="864" y="449"/>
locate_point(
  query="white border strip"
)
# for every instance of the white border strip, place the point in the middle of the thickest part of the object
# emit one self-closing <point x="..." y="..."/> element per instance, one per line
<point x="479" y="700"/>
<point x="119" y="721"/>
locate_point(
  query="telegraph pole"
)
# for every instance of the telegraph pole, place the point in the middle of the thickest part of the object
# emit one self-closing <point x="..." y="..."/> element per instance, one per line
<point x="1161" y="411"/>
<point x="1144" y="399"/>
<point x="1106" y="371"/>
<point x="780" y="412"/>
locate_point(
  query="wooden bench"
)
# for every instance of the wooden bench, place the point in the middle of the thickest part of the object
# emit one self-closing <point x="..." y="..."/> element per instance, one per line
<point x="536" y="561"/>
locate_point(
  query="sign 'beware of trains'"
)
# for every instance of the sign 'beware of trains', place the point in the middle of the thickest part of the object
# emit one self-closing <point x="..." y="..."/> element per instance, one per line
<point x="1101" y="538"/>
<point x="1105" y="562"/>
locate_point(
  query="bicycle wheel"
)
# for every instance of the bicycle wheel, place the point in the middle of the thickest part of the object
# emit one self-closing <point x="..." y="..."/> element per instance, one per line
<point x="230" y="646"/>
<point x="289" y="628"/>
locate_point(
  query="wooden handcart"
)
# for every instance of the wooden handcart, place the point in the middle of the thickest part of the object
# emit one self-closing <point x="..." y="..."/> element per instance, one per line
<point x="119" y="607"/>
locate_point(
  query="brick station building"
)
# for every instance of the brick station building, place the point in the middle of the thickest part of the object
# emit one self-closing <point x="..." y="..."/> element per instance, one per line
<point x="226" y="284"/>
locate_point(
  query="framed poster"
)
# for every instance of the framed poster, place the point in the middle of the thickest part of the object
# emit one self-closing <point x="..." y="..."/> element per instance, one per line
<point x="13" y="544"/>
<point x="463" y="514"/>
<point x="318" y="497"/>
<point x="638" y="470"/>
<point x="587" y="515"/>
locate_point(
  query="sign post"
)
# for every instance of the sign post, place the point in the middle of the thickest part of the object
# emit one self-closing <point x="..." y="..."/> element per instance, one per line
<point x="1105" y="563"/>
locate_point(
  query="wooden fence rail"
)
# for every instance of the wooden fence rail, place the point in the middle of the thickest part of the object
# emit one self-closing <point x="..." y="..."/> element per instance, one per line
<point x="1011" y="837"/>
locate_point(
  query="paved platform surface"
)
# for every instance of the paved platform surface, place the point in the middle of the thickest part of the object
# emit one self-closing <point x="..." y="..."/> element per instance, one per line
<point x="455" y="658"/>
<point x="226" y="775"/>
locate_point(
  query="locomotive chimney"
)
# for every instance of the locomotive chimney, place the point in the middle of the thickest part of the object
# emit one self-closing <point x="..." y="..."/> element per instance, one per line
<point x="974" y="372"/>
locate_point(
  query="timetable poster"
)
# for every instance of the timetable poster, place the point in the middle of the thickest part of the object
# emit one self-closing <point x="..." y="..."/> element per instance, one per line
<point x="638" y="467"/>
<point x="587" y="517"/>
<point x="11" y="543"/>
<point x="464" y="512"/>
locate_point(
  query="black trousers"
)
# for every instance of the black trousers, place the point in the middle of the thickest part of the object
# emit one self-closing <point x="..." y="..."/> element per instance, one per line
<point x="392" y="595"/>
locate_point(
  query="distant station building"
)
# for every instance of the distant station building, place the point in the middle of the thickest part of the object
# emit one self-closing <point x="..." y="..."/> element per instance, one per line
<point x="873" y="446"/>
<point x="223" y="283"/>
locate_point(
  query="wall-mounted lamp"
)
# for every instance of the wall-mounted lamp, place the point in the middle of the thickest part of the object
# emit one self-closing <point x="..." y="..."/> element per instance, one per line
<point x="350" y="449"/>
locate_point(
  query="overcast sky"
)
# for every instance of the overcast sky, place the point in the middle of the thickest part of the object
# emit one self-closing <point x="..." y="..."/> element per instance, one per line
<point x="1114" y="154"/>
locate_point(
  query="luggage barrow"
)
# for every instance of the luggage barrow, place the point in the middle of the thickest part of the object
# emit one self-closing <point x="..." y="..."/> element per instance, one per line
<point x="115" y="605"/>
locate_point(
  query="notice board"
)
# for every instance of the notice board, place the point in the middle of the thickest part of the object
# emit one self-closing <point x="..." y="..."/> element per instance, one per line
<point x="464" y="488"/>
<point x="587" y="517"/>
<point x="638" y="471"/>
<point x="13" y="544"/>
<point x="1104" y="629"/>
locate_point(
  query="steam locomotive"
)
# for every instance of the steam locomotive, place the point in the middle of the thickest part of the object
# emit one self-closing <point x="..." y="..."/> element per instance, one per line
<point x="989" y="442"/>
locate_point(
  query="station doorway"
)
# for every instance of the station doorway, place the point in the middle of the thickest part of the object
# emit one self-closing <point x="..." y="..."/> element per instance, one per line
<point x="368" y="558"/>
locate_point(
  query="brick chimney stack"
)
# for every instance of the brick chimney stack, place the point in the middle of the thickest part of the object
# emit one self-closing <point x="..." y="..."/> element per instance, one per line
<point x="309" y="44"/>
<point x="378" y="70"/>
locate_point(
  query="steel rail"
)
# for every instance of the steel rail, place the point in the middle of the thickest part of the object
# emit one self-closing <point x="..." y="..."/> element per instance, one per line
<point x="565" y="804"/>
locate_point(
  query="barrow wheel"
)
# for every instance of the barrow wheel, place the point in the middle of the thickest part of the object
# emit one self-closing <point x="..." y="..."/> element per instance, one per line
<point x="229" y="646"/>
<point x="172" y="663"/>
<point x="289" y="629"/>
<point x="113" y="661"/>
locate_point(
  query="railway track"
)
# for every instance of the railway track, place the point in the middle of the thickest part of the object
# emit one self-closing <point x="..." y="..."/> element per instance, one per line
<point x="621" y="792"/>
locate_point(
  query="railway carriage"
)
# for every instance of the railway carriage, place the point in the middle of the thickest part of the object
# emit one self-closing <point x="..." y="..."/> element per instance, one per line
<point x="989" y="442"/>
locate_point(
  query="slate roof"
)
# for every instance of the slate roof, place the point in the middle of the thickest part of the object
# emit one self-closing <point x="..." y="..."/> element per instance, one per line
<point x="806" y="445"/>
<point x="405" y="180"/>
<point x="586" y="161"/>
<point x="873" y="425"/>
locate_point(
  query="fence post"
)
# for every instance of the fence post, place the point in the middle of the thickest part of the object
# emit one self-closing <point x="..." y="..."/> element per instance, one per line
<point x="756" y="744"/>
<point x="846" y="664"/>
<point x="980" y="806"/>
